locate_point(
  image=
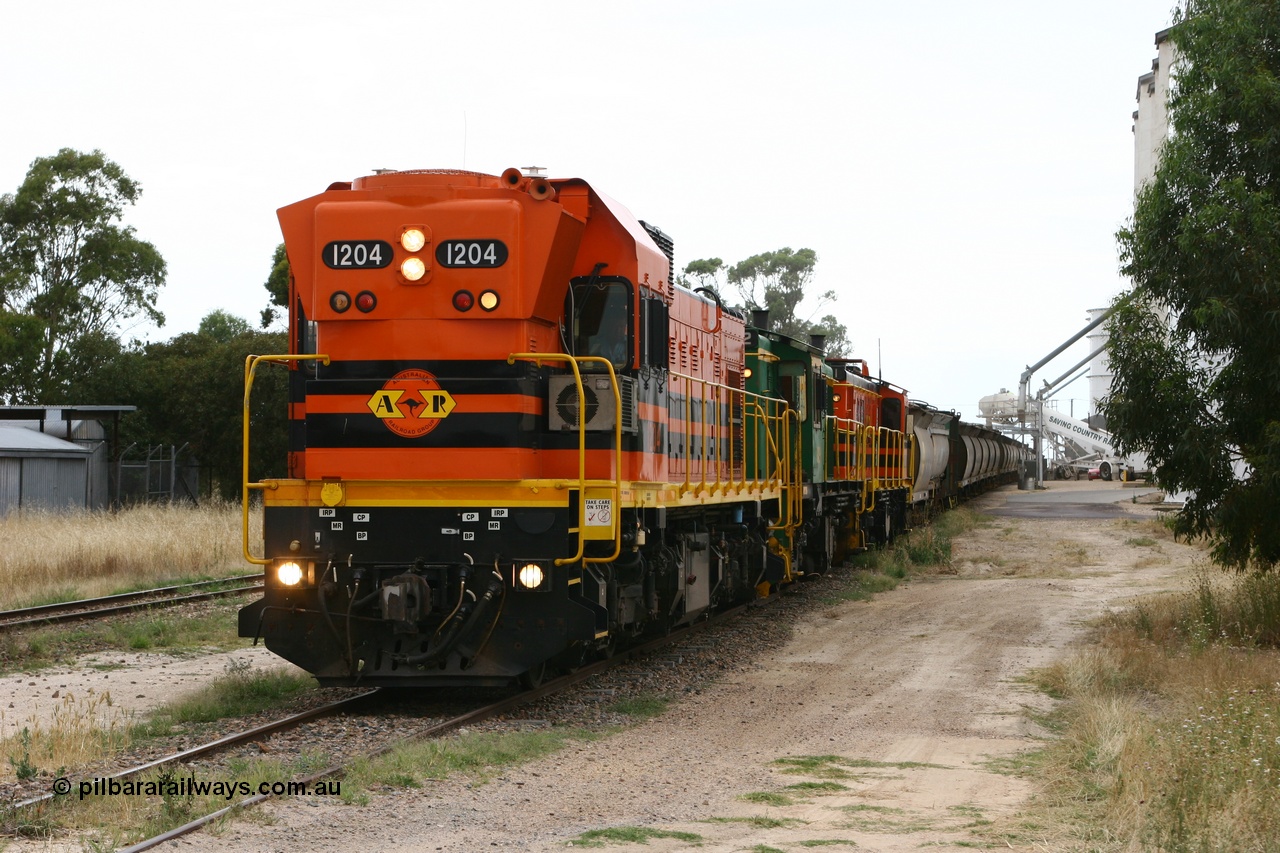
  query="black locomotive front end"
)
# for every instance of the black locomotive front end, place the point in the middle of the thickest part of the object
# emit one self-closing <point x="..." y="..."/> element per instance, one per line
<point x="424" y="595"/>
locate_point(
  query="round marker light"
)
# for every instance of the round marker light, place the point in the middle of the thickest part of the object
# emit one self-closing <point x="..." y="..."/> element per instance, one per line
<point x="340" y="301"/>
<point x="746" y="374"/>
<point x="413" y="269"/>
<point x="463" y="300"/>
<point x="489" y="300"/>
<point x="413" y="240"/>
<point x="289" y="574"/>
<point x="366" y="301"/>
<point x="531" y="576"/>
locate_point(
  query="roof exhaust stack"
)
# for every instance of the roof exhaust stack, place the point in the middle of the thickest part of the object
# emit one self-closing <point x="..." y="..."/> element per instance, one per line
<point x="760" y="318"/>
<point x="818" y="341"/>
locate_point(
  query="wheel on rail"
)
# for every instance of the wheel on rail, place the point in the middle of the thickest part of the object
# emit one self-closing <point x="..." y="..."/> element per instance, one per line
<point x="534" y="676"/>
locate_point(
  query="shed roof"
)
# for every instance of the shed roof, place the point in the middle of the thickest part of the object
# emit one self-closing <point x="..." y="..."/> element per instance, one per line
<point x="22" y="441"/>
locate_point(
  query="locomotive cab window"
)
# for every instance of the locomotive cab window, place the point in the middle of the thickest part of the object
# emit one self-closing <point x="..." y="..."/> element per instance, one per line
<point x="793" y="388"/>
<point x="818" y="393"/>
<point x="601" y="314"/>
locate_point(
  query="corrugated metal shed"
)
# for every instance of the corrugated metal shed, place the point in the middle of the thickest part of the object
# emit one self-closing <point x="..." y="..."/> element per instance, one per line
<point x="38" y="470"/>
<point x="54" y="457"/>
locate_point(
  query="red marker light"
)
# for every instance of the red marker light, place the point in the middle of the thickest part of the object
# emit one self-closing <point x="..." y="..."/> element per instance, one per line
<point x="463" y="300"/>
<point x="366" y="301"/>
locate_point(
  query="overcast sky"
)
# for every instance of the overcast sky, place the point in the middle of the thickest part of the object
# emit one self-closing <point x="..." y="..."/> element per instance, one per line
<point x="960" y="168"/>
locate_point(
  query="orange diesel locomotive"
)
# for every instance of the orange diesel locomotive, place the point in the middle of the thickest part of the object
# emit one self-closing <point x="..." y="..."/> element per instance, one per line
<point x="514" y="441"/>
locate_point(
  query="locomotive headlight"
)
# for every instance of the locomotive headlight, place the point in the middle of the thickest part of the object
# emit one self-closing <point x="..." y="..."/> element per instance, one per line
<point x="413" y="240"/>
<point x="531" y="576"/>
<point x="413" y="269"/>
<point x="746" y="374"/>
<point x="489" y="300"/>
<point x="289" y="574"/>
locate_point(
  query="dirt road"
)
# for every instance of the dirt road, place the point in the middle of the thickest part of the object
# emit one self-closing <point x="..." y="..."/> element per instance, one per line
<point x="888" y="712"/>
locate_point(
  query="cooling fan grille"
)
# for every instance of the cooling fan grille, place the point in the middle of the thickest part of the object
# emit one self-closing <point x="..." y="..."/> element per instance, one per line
<point x="567" y="404"/>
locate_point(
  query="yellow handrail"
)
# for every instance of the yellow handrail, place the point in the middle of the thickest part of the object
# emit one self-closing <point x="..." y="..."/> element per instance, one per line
<point x="791" y="476"/>
<point x="842" y="442"/>
<point x="614" y="485"/>
<point x="871" y="482"/>
<point x="251" y="363"/>
<point x="755" y="416"/>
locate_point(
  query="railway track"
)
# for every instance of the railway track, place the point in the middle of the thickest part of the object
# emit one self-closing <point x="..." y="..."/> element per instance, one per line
<point x="247" y="736"/>
<point x="432" y="730"/>
<point x="95" y="608"/>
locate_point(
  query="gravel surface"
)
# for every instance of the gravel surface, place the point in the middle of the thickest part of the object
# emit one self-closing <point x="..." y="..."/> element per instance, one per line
<point x="902" y="701"/>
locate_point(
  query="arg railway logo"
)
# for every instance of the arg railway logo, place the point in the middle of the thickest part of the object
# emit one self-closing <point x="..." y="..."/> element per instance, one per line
<point x="411" y="403"/>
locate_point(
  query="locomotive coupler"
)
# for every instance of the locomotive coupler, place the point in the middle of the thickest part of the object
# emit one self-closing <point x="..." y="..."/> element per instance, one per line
<point x="471" y="612"/>
<point x="404" y="600"/>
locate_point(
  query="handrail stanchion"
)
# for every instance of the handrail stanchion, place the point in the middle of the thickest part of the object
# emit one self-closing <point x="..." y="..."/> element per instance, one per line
<point x="614" y="484"/>
<point x="251" y="363"/>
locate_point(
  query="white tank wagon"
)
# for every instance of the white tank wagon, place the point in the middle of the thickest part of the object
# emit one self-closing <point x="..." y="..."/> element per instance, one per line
<point x="988" y="454"/>
<point x="955" y="459"/>
<point x="932" y="429"/>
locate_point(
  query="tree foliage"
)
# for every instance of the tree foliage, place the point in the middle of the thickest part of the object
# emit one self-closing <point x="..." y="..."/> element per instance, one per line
<point x="277" y="285"/>
<point x="776" y="281"/>
<point x="222" y="327"/>
<point x="1194" y="351"/>
<point x="70" y="273"/>
<point x="190" y="390"/>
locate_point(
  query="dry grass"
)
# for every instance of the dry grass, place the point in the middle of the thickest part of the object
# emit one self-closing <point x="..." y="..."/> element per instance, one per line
<point x="1170" y="733"/>
<point x="1155" y="528"/>
<point x="63" y="556"/>
<point x="1069" y="554"/>
<point x="88" y="728"/>
<point x="79" y="730"/>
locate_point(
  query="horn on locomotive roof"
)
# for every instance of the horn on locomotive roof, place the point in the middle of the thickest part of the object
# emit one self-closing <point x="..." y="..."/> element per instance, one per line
<point x="540" y="189"/>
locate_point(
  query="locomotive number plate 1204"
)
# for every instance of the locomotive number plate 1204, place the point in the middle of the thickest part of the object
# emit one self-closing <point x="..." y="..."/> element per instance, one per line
<point x="472" y="253"/>
<point x="358" y="255"/>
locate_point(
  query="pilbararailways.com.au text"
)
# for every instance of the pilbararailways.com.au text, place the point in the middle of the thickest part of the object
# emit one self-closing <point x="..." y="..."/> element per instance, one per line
<point x="189" y="786"/>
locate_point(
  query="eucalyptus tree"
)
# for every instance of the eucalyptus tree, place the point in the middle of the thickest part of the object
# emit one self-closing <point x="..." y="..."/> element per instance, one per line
<point x="778" y="282"/>
<point x="1194" y="351"/>
<point x="70" y="273"/>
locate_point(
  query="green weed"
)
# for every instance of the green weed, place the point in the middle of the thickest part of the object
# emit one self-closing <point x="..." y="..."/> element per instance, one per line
<point x="768" y="798"/>
<point x="817" y="787"/>
<point x="239" y="693"/>
<point x="480" y="755"/>
<point x="641" y="707"/>
<point x="630" y="834"/>
<point x="759" y="822"/>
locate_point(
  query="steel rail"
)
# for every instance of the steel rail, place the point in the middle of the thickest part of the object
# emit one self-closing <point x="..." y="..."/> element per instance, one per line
<point x="85" y="608"/>
<point x="478" y="715"/>
<point x="256" y="733"/>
